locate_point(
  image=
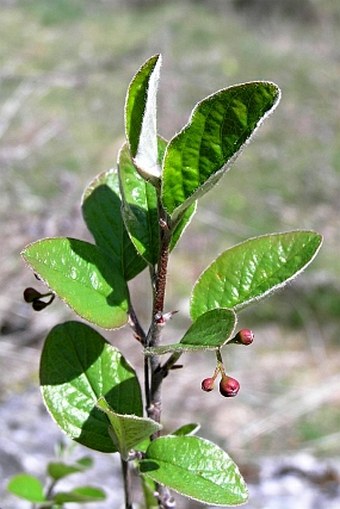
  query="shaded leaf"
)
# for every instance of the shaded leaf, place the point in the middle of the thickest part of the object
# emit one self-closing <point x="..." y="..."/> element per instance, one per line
<point x="140" y="208"/>
<point x="101" y="208"/>
<point x="58" y="469"/>
<point x="140" y="118"/>
<point x="83" y="276"/>
<point x="219" y="127"/>
<point x="187" y="429"/>
<point x="149" y="489"/>
<point x="195" y="468"/>
<point x="85" y="462"/>
<point x="252" y="269"/>
<point x="78" y="367"/>
<point x="82" y="494"/>
<point x="210" y="331"/>
<point x="128" y="430"/>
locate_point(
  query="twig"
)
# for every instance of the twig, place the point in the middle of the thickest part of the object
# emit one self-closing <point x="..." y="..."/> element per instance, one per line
<point x="126" y="483"/>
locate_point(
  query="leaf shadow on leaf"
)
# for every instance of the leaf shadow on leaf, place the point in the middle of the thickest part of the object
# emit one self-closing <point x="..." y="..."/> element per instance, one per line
<point x="102" y="214"/>
<point x="104" y="264"/>
<point x="80" y="378"/>
<point x="95" y="430"/>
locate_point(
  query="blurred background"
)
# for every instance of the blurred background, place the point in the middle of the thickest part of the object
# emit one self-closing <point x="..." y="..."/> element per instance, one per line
<point x="65" y="67"/>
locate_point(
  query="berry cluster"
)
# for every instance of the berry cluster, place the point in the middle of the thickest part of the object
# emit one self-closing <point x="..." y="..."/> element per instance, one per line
<point x="228" y="386"/>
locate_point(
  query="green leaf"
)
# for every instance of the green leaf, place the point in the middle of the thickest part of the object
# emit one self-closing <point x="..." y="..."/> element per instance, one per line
<point x="187" y="429"/>
<point x="28" y="487"/>
<point x="140" y="118"/>
<point x="149" y="489"/>
<point x="219" y="127"/>
<point x="128" y="430"/>
<point x="182" y="223"/>
<point x="85" y="462"/>
<point x="195" y="468"/>
<point x="78" y="367"/>
<point x="251" y="270"/>
<point x="101" y="208"/>
<point x="82" y="494"/>
<point x="58" y="470"/>
<point x="83" y="276"/>
<point x="209" y="332"/>
<point x="140" y="208"/>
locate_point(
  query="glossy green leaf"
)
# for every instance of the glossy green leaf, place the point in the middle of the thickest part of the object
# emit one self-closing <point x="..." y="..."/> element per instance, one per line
<point x="128" y="430"/>
<point x="140" y="208"/>
<point x="83" y="276"/>
<point x="58" y="469"/>
<point x="253" y="269"/>
<point x="187" y="429"/>
<point x="219" y="127"/>
<point x="78" y="367"/>
<point x="182" y="223"/>
<point x="210" y="331"/>
<point x="140" y="118"/>
<point x="27" y="487"/>
<point x="82" y="494"/>
<point x="101" y="208"/>
<point x="195" y="468"/>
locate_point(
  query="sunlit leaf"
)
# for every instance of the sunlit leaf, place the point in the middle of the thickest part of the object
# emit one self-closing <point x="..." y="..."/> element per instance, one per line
<point x="253" y="269"/>
<point x="83" y="276"/>
<point x="195" y="468"/>
<point x="219" y="127"/>
<point x="210" y="331"/>
<point x="27" y="487"/>
<point x="140" y="118"/>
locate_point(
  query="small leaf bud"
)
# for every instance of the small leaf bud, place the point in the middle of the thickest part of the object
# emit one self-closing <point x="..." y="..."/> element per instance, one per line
<point x="244" y="337"/>
<point x="30" y="294"/>
<point x="208" y="384"/>
<point x="39" y="305"/>
<point x="229" y="386"/>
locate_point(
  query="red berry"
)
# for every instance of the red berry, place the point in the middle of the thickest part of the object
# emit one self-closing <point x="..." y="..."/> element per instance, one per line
<point x="208" y="384"/>
<point x="229" y="387"/>
<point x="244" y="336"/>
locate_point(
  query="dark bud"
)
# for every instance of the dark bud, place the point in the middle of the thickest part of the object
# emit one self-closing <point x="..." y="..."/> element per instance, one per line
<point x="244" y="337"/>
<point x="208" y="384"/>
<point x="34" y="297"/>
<point x="229" y="387"/>
<point x="39" y="305"/>
<point x="30" y="294"/>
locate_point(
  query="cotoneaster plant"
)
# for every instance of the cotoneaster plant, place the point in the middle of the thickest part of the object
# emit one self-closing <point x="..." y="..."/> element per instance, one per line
<point x="137" y="214"/>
